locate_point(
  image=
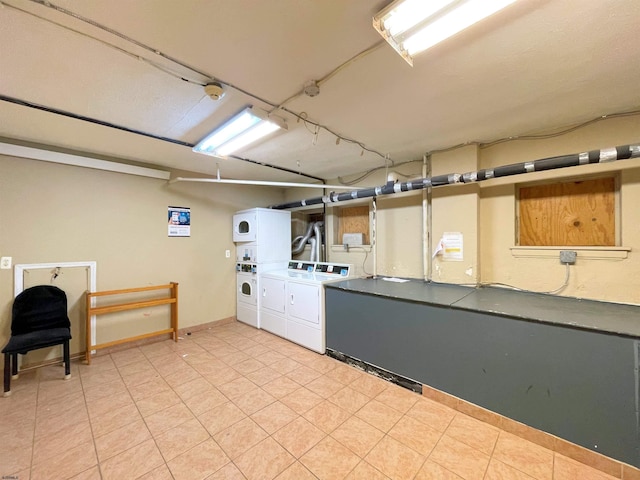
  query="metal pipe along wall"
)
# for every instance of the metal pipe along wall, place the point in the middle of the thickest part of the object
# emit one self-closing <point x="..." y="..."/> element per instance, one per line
<point x="623" y="152"/>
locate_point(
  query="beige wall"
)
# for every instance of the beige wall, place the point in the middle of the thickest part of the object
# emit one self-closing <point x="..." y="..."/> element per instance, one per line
<point x="57" y="213"/>
<point x="485" y="213"/>
<point x="399" y="235"/>
<point x="399" y="232"/>
<point x="455" y="209"/>
<point x="398" y="218"/>
<point x="604" y="275"/>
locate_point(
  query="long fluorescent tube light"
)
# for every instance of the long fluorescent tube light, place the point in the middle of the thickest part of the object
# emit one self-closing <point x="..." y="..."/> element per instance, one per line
<point x="412" y="26"/>
<point x="248" y="126"/>
<point x="409" y="13"/>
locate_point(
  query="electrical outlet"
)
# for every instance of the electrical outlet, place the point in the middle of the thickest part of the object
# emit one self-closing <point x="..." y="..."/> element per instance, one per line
<point x="568" y="256"/>
<point x="227" y="253"/>
<point x="5" y="263"/>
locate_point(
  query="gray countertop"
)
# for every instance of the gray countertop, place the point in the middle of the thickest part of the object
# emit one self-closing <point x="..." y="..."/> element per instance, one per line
<point x="413" y="290"/>
<point x="573" y="312"/>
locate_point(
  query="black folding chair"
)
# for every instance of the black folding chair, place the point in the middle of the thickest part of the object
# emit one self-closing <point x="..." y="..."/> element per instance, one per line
<point x="38" y="320"/>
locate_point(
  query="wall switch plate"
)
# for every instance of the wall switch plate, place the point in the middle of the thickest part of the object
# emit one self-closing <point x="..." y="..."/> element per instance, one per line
<point x="568" y="256"/>
<point x="227" y="253"/>
<point x="5" y="263"/>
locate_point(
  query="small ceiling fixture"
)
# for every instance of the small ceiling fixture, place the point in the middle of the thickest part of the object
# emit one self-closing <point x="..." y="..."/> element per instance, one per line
<point x="248" y="126"/>
<point x="311" y="88"/>
<point x="412" y="26"/>
<point x="214" y="90"/>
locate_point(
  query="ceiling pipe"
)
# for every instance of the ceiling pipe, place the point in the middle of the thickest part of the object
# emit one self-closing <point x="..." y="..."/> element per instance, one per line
<point x="75" y="116"/>
<point x="257" y="182"/>
<point x="605" y="155"/>
<point x="210" y="78"/>
<point x="282" y="169"/>
<point x="84" y="118"/>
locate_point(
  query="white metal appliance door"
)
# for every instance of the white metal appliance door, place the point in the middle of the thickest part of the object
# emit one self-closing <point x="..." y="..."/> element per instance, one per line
<point x="247" y="289"/>
<point x="303" y="302"/>
<point x="244" y="227"/>
<point x="273" y="293"/>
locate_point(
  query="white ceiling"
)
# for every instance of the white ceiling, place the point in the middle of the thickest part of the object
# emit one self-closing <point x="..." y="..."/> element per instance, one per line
<point x="538" y="65"/>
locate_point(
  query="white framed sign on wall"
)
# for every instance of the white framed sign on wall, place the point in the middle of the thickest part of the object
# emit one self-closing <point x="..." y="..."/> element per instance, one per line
<point x="179" y="221"/>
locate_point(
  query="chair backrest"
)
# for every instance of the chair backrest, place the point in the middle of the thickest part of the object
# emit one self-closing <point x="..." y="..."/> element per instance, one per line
<point x="39" y="308"/>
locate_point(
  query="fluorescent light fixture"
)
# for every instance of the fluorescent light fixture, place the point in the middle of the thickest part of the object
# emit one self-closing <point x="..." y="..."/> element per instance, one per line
<point x="412" y="26"/>
<point x="248" y="126"/>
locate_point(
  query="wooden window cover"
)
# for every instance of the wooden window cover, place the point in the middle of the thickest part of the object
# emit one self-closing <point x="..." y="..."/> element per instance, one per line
<point x="354" y="220"/>
<point x="578" y="213"/>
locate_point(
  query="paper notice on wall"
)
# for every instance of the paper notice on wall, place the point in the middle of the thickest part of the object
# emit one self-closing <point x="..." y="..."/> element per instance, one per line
<point x="453" y="243"/>
<point x="395" y="280"/>
<point x="439" y="248"/>
<point x="450" y="247"/>
<point x="179" y="221"/>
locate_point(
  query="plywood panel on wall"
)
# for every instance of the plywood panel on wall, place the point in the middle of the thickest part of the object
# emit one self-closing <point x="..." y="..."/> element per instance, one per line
<point x="579" y="213"/>
<point x="354" y="220"/>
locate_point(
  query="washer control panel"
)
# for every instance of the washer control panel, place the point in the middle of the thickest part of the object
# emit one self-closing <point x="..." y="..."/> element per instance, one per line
<point x="246" y="267"/>
<point x="326" y="268"/>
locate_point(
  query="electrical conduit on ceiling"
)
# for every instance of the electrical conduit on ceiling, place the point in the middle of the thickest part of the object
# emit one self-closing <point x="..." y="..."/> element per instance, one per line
<point x="209" y="78"/>
<point x="96" y="121"/>
<point x="267" y="183"/>
<point x="605" y="155"/>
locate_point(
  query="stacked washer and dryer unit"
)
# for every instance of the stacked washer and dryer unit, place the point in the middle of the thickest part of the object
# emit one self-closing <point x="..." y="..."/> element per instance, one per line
<point x="263" y="243"/>
<point x="282" y="296"/>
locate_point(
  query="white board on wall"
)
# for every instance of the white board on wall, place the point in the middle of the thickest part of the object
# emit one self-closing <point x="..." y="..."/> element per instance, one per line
<point x="75" y="278"/>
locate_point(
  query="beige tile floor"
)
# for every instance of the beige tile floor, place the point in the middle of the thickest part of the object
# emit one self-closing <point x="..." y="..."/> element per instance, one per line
<point x="233" y="402"/>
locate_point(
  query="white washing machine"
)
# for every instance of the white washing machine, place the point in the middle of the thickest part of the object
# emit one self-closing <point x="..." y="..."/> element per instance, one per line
<point x="248" y="288"/>
<point x="292" y="301"/>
